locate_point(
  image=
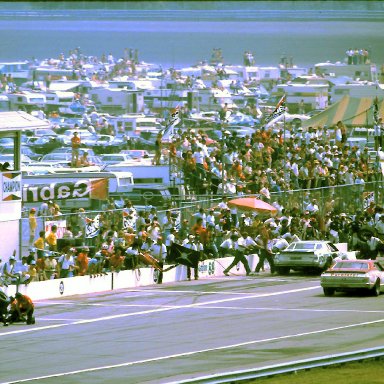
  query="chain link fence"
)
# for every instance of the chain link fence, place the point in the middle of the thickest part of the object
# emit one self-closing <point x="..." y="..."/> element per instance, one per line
<point x="337" y="199"/>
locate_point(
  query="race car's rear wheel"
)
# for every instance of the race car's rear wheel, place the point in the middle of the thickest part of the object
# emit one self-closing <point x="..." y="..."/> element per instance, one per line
<point x="376" y="289"/>
<point x="329" y="291"/>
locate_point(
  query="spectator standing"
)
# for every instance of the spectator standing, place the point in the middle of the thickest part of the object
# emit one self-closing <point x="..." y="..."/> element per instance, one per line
<point x="51" y="239"/>
<point x="82" y="261"/>
<point x="40" y="267"/>
<point x="50" y="267"/>
<point x="39" y="244"/>
<point x="158" y="149"/>
<point x="32" y="225"/>
<point x="66" y="264"/>
<point x="378" y="134"/>
<point x="75" y="143"/>
<point x="158" y="250"/>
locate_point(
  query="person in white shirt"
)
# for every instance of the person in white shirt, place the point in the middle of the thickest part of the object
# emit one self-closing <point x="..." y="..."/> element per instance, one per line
<point x="190" y="243"/>
<point x="248" y="243"/>
<point x="211" y="217"/>
<point x="278" y="244"/>
<point x="374" y="245"/>
<point x="171" y="238"/>
<point x="223" y="204"/>
<point x="158" y="250"/>
<point x="231" y="246"/>
<point x="66" y="264"/>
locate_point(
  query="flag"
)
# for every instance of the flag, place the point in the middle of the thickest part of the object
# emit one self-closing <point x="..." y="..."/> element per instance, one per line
<point x="147" y="259"/>
<point x="173" y="120"/>
<point x="92" y="227"/>
<point x="182" y="255"/>
<point x="278" y="111"/>
<point x="129" y="218"/>
<point x="375" y="111"/>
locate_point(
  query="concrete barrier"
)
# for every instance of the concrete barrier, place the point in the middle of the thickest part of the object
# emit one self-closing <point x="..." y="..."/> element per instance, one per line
<point x="147" y="276"/>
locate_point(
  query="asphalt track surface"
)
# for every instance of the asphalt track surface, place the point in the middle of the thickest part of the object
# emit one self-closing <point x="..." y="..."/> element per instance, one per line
<point x="172" y="332"/>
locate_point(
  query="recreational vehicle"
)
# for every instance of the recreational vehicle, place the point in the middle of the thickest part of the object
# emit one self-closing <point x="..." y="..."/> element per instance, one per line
<point x="117" y="100"/>
<point x="27" y="101"/>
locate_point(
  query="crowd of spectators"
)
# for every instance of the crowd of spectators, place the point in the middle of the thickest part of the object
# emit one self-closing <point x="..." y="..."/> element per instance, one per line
<point x="265" y="163"/>
<point x="125" y="235"/>
<point x="262" y="164"/>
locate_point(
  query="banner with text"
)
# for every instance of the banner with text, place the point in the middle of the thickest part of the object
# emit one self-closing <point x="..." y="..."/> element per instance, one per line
<point x="94" y="189"/>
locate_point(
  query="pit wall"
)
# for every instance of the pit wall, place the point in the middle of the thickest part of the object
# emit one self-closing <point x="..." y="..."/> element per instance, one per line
<point x="142" y="277"/>
<point x="80" y="285"/>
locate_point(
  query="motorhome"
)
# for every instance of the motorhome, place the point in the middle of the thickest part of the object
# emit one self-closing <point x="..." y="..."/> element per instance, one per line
<point x="213" y="99"/>
<point x="18" y="70"/>
<point x="4" y="103"/>
<point x="27" y="101"/>
<point x="314" y="93"/>
<point x="356" y="72"/>
<point x="158" y="99"/>
<point x="58" y="99"/>
<point x="133" y="124"/>
<point x="117" y="100"/>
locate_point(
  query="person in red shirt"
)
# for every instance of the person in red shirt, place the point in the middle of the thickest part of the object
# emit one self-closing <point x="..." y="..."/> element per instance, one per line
<point x="199" y="229"/>
<point x="116" y="261"/>
<point x="21" y="307"/>
<point x="82" y="261"/>
<point x="75" y="143"/>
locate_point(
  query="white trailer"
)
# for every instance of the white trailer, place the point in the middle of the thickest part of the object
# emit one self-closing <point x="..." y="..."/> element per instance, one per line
<point x="117" y="100"/>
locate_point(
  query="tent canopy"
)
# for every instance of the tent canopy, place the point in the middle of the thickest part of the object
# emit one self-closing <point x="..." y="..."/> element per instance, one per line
<point x="252" y="204"/>
<point x="352" y="111"/>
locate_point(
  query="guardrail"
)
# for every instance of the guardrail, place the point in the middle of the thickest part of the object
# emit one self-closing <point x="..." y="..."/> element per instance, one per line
<point x="291" y="367"/>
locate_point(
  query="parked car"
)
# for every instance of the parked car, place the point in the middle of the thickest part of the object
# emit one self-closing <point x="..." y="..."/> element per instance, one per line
<point x="6" y="142"/>
<point x="66" y="157"/>
<point x="41" y="132"/>
<point x="84" y="135"/>
<point x="9" y="157"/>
<point x="45" y="144"/>
<point x="115" y="158"/>
<point x="347" y="275"/>
<point x="137" y="153"/>
<point x="30" y="153"/>
<point x="310" y="255"/>
<point x="108" y="144"/>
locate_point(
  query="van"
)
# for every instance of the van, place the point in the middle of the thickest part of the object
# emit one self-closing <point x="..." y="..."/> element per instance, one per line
<point x="156" y="195"/>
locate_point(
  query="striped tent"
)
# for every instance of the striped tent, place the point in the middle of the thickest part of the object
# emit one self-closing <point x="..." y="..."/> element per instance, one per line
<point x="352" y="111"/>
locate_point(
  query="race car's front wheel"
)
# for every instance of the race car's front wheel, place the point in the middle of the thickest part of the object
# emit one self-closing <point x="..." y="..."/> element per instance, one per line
<point x="283" y="270"/>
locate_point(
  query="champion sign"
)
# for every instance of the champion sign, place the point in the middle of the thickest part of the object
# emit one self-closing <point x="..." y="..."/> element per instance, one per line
<point x="11" y="186"/>
<point x="70" y="190"/>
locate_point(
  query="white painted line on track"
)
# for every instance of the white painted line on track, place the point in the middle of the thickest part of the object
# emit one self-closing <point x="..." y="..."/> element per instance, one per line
<point x="281" y="309"/>
<point x="184" y="354"/>
<point x="107" y="318"/>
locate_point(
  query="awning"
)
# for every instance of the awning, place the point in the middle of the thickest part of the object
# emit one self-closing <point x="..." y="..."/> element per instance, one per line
<point x="352" y="111"/>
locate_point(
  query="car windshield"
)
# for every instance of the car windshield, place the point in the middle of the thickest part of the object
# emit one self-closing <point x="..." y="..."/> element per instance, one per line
<point x="353" y="265"/>
<point x="298" y="246"/>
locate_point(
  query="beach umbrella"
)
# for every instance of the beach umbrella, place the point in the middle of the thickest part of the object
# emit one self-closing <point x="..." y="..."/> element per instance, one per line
<point x="252" y="204"/>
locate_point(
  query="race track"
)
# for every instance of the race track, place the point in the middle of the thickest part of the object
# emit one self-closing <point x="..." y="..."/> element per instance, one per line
<point x="172" y="332"/>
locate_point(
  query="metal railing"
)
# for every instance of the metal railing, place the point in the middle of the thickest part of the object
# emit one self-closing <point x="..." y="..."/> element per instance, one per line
<point x="291" y="367"/>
